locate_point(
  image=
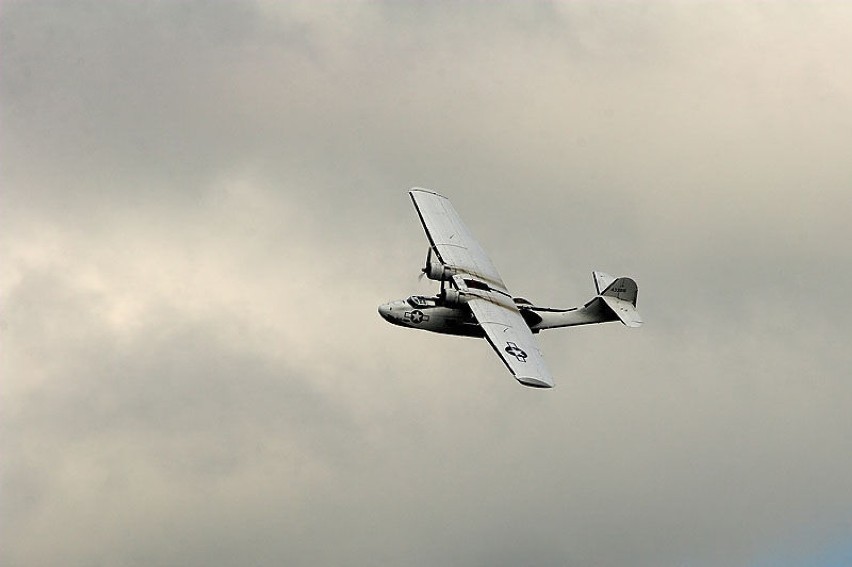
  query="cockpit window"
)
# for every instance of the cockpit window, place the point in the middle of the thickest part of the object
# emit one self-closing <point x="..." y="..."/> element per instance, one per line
<point x="421" y="302"/>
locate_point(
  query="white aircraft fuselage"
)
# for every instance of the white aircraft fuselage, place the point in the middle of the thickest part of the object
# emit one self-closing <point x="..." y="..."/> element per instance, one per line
<point x="436" y="315"/>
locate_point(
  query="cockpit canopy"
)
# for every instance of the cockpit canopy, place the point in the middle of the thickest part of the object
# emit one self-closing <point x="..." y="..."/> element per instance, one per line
<point x="422" y="302"/>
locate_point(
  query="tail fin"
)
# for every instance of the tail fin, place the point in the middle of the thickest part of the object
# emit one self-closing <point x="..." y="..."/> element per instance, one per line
<point x="619" y="294"/>
<point x="624" y="289"/>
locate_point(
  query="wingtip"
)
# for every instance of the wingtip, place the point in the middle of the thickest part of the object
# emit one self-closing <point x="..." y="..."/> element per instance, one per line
<point x="534" y="382"/>
<point x="422" y="190"/>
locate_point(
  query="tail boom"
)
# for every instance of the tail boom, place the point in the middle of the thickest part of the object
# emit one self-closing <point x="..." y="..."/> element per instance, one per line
<point x="616" y="301"/>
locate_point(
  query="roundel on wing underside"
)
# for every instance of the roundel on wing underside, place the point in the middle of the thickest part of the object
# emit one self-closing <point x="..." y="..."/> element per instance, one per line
<point x="516" y="351"/>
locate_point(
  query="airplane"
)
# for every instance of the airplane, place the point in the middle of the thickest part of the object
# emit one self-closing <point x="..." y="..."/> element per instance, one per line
<point x="474" y="301"/>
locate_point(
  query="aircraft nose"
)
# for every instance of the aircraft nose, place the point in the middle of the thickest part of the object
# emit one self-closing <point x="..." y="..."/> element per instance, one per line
<point x="385" y="310"/>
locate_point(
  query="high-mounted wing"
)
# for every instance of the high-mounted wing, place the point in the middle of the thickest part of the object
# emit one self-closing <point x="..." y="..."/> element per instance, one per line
<point x="451" y="240"/>
<point x="485" y="293"/>
<point x="507" y="333"/>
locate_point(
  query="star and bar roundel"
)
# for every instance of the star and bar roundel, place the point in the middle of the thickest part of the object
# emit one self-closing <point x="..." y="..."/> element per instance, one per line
<point x="415" y="316"/>
<point x="516" y="351"/>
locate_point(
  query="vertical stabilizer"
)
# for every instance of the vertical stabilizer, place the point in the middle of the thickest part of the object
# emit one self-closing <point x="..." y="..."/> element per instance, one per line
<point x="620" y="297"/>
<point x="624" y="289"/>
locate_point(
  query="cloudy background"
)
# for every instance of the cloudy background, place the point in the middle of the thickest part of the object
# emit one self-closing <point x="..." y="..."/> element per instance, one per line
<point x="204" y="202"/>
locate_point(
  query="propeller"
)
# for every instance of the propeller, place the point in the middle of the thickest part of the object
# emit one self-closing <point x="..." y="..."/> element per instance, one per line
<point x="425" y="270"/>
<point x="428" y="267"/>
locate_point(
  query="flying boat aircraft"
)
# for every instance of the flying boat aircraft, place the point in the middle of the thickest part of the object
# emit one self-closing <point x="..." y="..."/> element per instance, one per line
<point x="474" y="301"/>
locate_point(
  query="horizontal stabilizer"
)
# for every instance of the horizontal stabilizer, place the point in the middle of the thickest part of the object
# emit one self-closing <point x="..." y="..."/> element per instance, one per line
<point x="624" y="310"/>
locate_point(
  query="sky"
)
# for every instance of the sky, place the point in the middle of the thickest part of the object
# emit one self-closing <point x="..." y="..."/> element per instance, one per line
<point x="203" y="203"/>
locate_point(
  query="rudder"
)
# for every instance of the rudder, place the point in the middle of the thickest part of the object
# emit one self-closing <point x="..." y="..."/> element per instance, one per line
<point x="624" y="289"/>
<point x="619" y="295"/>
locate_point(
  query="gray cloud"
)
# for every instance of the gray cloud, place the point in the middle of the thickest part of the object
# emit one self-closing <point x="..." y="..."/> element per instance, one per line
<point x="204" y="203"/>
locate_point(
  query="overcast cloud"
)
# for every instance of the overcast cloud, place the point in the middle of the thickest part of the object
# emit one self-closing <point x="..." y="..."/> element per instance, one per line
<point x="204" y="202"/>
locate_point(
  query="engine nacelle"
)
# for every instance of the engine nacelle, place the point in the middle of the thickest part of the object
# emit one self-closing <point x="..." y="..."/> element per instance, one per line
<point x="439" y="272"/>
<point x="435" y="270"/>
<point x="453" y="297"/>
